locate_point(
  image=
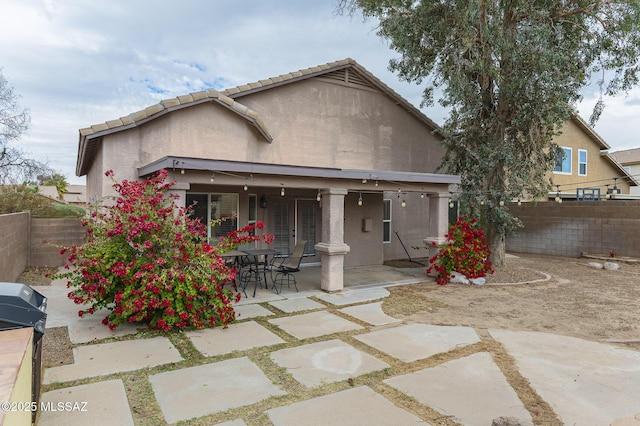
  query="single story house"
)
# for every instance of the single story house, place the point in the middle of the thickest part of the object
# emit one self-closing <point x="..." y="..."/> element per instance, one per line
<point x="328" y="154"/>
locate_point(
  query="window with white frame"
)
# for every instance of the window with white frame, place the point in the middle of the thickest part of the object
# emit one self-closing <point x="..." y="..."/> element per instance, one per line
<point x="386" y="222"/>
<point x="563" y="162"/>
<point x="582" y="162"/>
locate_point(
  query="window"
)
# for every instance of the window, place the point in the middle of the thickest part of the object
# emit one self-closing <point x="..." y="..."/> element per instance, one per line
<point x="386" y="222"/>
<point x="563" y="162"/>
<point x="582" y="162"/>
<point x="210" y="207"/>
<point x="253" y="209"/>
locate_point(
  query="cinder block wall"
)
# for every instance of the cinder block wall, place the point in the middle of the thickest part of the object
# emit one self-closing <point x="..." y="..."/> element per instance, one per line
<point x="14" y="245"/>
<point x="573" y="228"/>
<point x="49" y="235"/>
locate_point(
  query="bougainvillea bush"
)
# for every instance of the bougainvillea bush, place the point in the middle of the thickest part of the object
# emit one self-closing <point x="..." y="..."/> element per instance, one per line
<point x="466" y="252"/>
<point x="147" y="261"/>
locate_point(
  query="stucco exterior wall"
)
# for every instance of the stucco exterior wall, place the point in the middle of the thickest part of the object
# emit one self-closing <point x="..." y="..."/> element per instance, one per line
<point x="600" y="171"/>
<point x="411" y="223"/>
<point x="363" y="243"/>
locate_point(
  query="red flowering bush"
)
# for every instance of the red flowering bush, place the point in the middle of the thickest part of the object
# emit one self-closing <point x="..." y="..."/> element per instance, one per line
<point x="146" y="261"/>
<point x="466" y="252"/>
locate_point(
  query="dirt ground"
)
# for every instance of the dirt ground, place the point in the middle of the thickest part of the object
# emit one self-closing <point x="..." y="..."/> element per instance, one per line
<point x="570" y="299"/>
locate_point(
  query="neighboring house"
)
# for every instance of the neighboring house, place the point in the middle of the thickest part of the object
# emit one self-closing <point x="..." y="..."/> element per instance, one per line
<point x="328" y="154"/>
<point x="630" y="161"/>
<point x="587" y="168"/>
<point x="76" y="194"/>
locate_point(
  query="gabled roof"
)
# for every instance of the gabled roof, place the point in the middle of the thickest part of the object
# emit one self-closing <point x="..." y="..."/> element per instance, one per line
<point x="346" y="71"/>
<point x="627" y="156"/>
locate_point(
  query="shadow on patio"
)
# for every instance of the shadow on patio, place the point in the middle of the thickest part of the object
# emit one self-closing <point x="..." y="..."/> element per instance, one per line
<point x="358" y="277"/>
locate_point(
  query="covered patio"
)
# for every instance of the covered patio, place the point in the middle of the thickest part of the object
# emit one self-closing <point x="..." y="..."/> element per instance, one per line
<point x="339" y="212"/>
<point x="361" y="277"/>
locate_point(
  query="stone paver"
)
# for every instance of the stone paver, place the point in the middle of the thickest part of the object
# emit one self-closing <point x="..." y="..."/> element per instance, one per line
<point x="326" y="362"/>
<point x="472" y="389"/>
<point x="314" y="324"/>
<point x="412" y="342"/>
<point x="349" y="297"/>
<point x="251" y="311"/>
<point x="584" y="382"/>
<point x="90" y="327"/>
<point x="237" y="337"/>
<point x="296" y="305"/>
<point x="357" y="406"/>
<point x="237" y="422"/>
<point x="109" y="358"/>
<point x="96" y="404"/>
<point x="370" y="313"/>
<point x="198" y="391"/>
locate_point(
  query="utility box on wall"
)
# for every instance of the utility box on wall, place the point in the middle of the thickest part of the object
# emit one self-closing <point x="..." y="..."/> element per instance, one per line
<point x="367" y="225"/>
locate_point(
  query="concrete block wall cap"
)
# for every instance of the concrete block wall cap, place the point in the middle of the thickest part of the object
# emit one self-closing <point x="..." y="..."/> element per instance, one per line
<point x="332" y="249"/>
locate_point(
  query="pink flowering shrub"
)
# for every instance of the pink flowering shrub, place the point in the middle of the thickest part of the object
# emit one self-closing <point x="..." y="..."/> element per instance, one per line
<point x="466" y="252"/>
<point x="148" y="262"/>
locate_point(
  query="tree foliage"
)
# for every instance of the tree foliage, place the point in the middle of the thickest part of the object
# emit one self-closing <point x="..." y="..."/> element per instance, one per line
<point x="15" y="166"/>
<point x="510" y="73"/>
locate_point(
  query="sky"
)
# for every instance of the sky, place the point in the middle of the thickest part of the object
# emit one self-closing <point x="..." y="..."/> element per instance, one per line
<point x="75" y="63"/>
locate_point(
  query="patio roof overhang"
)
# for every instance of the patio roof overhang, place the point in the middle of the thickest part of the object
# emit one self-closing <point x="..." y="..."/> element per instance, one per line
<point x="271" y="174"/>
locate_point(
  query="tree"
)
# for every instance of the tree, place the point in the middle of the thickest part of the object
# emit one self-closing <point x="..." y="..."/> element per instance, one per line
<point x="59" y="181"/>
<point x="510" y="74"/>
<point x="15" y="166"/>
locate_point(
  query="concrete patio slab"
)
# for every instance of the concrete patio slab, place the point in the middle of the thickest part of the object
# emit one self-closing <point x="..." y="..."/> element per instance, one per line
<point x="472" y="390"/>
<point x="90" y="328"/>
<point x="296" y="305"/>
<point x="314" y="324"/>
<point x="326" y="362"/>
<point x="370" y="313"/>
<point x="109" y="358"/>
<point x="237" y="337"/>
<point x="97" y="404"/>
<point x="251" y="311"/>
<point x="350" y="297"/>
<point x="584" y="382"/>
<point x="412" y="342"/>
<point x="198" y="391"/>
<point x="357" y="406"/>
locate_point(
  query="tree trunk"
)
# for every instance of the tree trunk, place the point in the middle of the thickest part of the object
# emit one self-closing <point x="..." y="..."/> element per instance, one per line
<point x="497" y="246"/>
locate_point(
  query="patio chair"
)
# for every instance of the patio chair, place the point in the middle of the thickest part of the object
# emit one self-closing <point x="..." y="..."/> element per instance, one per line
<point x="284" y="272"/>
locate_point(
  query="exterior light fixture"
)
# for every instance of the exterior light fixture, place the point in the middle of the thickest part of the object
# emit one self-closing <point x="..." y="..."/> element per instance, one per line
<point x="519" y="202"/>
<point x="422" y="195"/>
<point x="404" y="203"/>
<point x="282" y="190"/>
<point x="450" y="203"/>
<point x="213" y="177"/>
<point x="364" y="181"/>
<point x="360" y="199"/>
<point x="376" y="183"/>
<point x="318" y="197"/>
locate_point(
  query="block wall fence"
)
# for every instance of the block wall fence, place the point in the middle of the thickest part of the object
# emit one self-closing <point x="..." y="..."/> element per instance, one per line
<point x="28" y="242"/>
<point x="573" y="228"/>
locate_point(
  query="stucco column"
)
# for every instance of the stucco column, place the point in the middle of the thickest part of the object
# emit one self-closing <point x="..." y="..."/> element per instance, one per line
<point x="180" y="190"/>
<point x="332" y="247"/>
<point x="438" y="221"/>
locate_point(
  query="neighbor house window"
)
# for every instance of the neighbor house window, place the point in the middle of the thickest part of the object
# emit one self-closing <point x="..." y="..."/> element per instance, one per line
<point x="386" y="222"/>
<point x="582" y="162"/>
<point x="563" y="162"/>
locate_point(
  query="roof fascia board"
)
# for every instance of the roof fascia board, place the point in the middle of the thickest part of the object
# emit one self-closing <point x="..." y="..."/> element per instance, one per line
<point x="302" y="171"/>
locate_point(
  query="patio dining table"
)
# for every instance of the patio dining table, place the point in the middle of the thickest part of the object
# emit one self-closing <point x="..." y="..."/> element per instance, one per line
<point x="254" y="263"/>
<point x="235" y="258"/>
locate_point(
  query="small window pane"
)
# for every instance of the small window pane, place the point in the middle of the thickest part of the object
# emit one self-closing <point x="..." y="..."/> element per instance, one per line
<point x="253" y="208"/>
